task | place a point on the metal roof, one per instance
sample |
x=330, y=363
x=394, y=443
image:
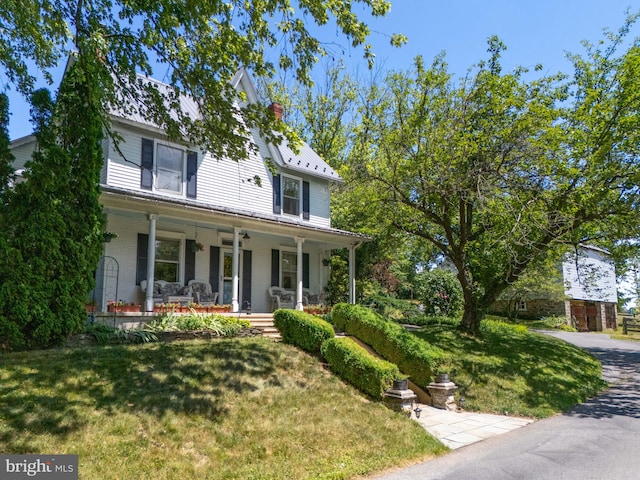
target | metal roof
x=305, y=161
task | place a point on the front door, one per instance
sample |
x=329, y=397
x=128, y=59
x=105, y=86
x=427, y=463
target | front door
x=226, y=276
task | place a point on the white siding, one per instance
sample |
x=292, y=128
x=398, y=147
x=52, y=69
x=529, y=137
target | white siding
x=223, y=183
x=22, y=154
x=590, y=276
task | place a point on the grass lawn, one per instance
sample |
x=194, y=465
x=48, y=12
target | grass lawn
x=508, y=369
x=227, y=409
x=618, y=335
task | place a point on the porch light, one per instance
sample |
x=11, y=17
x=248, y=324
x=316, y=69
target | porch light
x=246, y=236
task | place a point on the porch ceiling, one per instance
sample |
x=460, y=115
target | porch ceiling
x=224, y=219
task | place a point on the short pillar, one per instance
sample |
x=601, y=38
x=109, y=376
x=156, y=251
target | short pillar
x=400, y=398
x=442, y=393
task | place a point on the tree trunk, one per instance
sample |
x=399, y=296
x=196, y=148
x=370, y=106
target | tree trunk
x=471, y=318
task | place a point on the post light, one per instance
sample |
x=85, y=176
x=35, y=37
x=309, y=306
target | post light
x=461, y=402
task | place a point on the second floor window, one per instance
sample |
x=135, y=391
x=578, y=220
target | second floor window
x=168, y=169
x=290, y=196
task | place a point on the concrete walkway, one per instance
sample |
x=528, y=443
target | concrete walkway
x=458, y=429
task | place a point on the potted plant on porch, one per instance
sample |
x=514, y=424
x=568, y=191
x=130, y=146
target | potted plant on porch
x=122, y=307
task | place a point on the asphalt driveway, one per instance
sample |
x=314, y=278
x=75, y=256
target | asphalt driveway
x=599, y=439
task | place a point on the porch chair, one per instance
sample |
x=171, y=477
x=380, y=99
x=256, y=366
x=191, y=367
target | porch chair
x=309, y=298
x=281, y=298
x=165, y=292
x=202, y=293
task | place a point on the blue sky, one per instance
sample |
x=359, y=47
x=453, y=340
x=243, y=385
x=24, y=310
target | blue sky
x=534, y=32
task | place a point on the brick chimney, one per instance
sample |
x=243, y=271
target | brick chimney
x=277, y=110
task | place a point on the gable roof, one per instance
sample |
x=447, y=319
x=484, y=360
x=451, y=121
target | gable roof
x=306, y=161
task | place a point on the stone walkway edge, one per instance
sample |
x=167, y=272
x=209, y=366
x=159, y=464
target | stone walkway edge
x=458, y=429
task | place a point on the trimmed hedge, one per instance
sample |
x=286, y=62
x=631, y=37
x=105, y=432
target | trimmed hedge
x=391, y=341
x=302, y=329
x=354, y=364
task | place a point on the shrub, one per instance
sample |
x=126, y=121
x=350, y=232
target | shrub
x=396, y=309
x=302, y=329
x=440, y=292
x=413, y=356
x=354, y=364
x=223, y=326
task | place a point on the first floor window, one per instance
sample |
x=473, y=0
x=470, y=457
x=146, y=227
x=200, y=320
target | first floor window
x=289, y=270
x=167, y=265
x=169, y=169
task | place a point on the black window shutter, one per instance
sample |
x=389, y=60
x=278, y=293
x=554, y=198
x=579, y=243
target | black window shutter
x=146, y=164
x=192, y=174
x=275, y=268
x=214, y=271
x=189, y=261
x=141, y=262
x=305, y=200
x=305, y=270
x=277, y=199
x=246, y=278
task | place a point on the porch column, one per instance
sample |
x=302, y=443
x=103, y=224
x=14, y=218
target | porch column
x=299, y=273
x=151, y=261
x=235, y=305
x=352, y=272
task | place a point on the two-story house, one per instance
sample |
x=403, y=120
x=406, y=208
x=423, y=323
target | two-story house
x=181, y=214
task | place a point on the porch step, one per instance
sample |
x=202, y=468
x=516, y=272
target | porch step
x=264, y=321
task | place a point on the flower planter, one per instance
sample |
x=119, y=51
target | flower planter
x=218, y=309
x=123, y=308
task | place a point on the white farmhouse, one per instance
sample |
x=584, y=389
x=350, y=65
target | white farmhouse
x=182, y=215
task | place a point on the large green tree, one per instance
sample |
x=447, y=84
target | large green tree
x=52, y=224
x=325, y=116
x=498, y=168
x=195, y=46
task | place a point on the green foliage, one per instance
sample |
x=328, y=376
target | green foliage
x=337, y=289
x=508, y=369
x=104, y=334
x=52, y=223
x=398, y=310
x=391, y=341
x=6, y=157
x=222, y=325
x=497, y=168
x=301, y=329
x=200, y=47
x=358, y=367
x=502, y=328
x=440, y=292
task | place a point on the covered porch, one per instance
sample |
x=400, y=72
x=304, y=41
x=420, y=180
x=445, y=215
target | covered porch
x=241, y=255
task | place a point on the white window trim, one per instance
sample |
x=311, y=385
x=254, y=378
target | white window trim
x=183, y=184
x=300, y=192
x=181, y=237
x=295, y=254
